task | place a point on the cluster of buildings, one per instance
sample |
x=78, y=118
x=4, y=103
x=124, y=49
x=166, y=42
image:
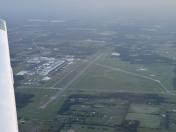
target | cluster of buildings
x=43, y=66
x=48, y=65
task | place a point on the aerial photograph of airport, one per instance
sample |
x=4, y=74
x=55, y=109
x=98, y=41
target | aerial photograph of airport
x=105, y=73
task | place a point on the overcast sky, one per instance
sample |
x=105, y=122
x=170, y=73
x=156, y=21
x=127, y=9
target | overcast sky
x=77, y=8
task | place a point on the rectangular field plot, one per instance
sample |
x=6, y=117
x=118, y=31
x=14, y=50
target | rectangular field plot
x=145, y=109
x=146, y=120
x=147, y=115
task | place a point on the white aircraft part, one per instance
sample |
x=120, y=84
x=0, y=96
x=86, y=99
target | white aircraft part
x=8, y=115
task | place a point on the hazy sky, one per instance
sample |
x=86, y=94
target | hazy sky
x=86, y=8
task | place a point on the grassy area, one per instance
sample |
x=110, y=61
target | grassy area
x=101, y=79
x=146, y=120
x=162, y=72
x=142, y=108
x=33, y=110
x=148, y=115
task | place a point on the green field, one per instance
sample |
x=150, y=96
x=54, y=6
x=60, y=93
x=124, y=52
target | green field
x=102, y=79
x=148, y=115
x=33, y=110
x=162, y=72
x=146, y=120
x=145, y=109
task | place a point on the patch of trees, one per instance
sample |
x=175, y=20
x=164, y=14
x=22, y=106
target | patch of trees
x=141, y=56
x=67, y=104
x=17, y=79
x=23, y=99
x=131, y=125
x=140, y=98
